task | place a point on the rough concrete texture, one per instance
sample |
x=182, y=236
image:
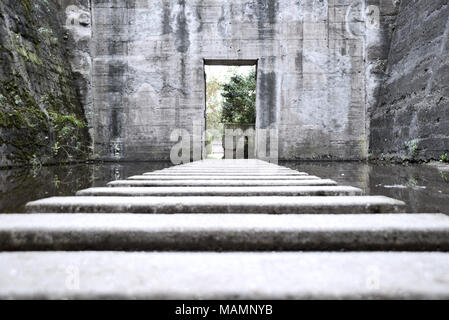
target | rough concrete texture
x=170, y=205
x=218, y=183
x=257, y=221
x=236, y=163
x=314, y=65
x=412, y=120
x=223, y=191
x=256, y=170
x=76, y=18
x=332, y=75
x=223, y=177
x=61, y=275
x=215, y=232
x=41, y=117
x=235, y=174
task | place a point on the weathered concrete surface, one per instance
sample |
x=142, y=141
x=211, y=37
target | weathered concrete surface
x=224, y=177
x=39, y=106
x=226, y=165
x=312, y=58
x=215, y=232
x=229, y=162
x=170, y=205
x=293, y=191
x=224, y=275
x=191, y=219
x=332, y=75
x=229, y=173
x=412, y=119
x=225, y=168
x=76, y=17
x=217, y=183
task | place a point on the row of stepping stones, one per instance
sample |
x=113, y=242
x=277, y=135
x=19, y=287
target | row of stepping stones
x=218, y=229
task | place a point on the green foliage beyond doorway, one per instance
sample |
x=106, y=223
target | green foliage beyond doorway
x=230, y=103
x=239, y=94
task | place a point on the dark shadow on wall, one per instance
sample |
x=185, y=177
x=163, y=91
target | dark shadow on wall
x=411, y=121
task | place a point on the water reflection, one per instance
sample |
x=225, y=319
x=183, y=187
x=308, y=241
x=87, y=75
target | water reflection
x=20, y=186
x=424, y=188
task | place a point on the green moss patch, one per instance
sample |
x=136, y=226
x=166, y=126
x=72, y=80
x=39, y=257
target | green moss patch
x=31, y=133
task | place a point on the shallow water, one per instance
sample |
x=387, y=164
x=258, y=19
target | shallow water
x=425, y=189
x=19, y=186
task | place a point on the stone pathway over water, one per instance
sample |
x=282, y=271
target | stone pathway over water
x=223, y=229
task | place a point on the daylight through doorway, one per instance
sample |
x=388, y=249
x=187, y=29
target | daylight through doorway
x=230, y=105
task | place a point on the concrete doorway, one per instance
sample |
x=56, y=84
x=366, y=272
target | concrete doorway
x=230, y=108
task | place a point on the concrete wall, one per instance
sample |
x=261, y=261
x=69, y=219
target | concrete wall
x=336, y=78
x=41, y=117
x=76, y=20
x=146, y=77
x=412, y=118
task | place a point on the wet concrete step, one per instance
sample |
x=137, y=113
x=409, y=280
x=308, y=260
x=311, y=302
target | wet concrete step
x=230, y=173
x=223, y=191
x=303, y=275
x=276, y=169
x=219, y=183
x=225, y=163
x=254, y=169
x=218, y=232
x=169, y=205
x=222, y=177
x=234, y=162
x=231, y=167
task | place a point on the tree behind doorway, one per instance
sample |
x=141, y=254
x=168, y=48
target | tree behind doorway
x=239, y=99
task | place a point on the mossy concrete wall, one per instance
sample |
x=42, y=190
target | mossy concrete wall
x=338, y=79
x=411, y=121
x=41, y=117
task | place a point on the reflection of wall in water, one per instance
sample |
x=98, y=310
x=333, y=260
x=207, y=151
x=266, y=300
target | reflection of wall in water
x=423, y=188
x=20, y=186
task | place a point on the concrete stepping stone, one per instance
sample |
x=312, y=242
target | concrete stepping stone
x=229, y=170
x=222, y=173
x=276, y=169
x=219, y=183
x=170, y=205
x=229, y=167
x=218, y=232
x=232, y=173
x=240, y=207
x=175, y=169
x=230, y=164
x=306, y=275
x=223, y=191
x=223, y=177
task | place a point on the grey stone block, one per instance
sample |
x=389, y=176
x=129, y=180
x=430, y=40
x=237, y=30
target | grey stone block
x=222, y=177
x=114, y=275
x=227, y=172
x=223, y=191
x=222, y=183
x=170, y=205
x=218, y=232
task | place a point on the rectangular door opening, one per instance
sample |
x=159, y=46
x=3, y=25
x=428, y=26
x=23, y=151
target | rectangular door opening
x=230, y=111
